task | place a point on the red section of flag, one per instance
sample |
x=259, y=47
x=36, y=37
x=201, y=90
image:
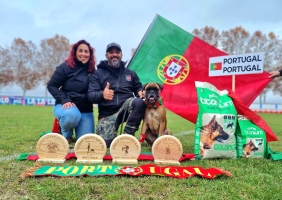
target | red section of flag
x=255, y=118
x=218, y=66
x=182, y=98
x=142, y=156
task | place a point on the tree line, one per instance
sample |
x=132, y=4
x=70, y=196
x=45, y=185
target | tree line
x=27, y=65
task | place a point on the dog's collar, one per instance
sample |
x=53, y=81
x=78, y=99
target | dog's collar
x=155, y=104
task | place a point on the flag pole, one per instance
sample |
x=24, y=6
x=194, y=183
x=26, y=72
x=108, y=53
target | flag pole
x=233, y=83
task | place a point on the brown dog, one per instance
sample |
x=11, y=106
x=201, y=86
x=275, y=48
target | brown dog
x=211, y=132
x=154, y=122
x=248, y=148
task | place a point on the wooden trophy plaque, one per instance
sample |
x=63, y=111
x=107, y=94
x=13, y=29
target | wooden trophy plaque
x=90, y=148
x=167, y=149
x=125, y=149
x=52, y=147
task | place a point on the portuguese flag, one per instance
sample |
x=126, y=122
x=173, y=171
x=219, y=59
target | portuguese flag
x=216, y=66
x=175, y=58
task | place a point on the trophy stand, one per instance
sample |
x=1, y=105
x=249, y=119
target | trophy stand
x=52, y=147
x=125, y=149
x=90, y=148
x=167, y=149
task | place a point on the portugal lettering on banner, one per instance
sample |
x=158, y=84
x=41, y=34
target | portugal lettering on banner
x=113, y=170
x=251, y=63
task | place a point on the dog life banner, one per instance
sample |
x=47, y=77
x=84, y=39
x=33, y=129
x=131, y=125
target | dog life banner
x=169, y=55
x=113, y=170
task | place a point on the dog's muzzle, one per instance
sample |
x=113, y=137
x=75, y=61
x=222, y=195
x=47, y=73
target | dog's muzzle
x=152, y=96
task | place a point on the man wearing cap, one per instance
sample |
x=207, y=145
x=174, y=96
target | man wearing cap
x=114, y=88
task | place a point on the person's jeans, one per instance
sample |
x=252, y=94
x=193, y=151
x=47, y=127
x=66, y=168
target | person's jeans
x=72, y=118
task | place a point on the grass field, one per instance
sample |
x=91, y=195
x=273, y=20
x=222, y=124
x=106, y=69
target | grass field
x=20, y=130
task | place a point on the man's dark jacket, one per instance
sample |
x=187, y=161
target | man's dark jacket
x=124, y=84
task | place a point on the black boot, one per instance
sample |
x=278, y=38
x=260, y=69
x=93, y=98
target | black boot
x=130, y=130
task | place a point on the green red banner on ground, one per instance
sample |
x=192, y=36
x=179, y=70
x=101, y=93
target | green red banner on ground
x=113, y=170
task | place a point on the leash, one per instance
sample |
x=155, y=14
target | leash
x=125, y=109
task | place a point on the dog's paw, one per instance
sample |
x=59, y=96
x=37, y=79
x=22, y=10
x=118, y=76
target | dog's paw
x=167, y=132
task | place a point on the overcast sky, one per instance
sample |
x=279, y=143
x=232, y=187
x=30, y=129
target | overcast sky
x=126, y=21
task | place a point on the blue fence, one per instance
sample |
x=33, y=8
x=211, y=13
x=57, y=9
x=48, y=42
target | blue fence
x=29, y=101
x=266, y=106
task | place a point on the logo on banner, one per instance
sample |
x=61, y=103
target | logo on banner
x=216, y=66
x=173, y=69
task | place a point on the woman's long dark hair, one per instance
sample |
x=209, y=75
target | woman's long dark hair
x=72, y=56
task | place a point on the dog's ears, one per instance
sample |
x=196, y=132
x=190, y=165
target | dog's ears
x=161, y=86
x=143, y=86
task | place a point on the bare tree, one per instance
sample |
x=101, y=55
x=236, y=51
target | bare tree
x=25, y=60
x=208, y=34
x=133, y=50
x=235, y=40
x=268, y=44
x=53, y=51
x=6, y=69
x=276, y=84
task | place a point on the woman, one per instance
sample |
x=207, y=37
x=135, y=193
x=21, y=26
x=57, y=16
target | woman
x=69, y=86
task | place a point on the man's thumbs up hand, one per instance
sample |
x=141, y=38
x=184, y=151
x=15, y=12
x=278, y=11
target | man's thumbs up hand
x=108, y=94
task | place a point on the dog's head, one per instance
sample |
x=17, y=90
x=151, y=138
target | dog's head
x=249, y=147
x=216, y=131
x=152, y=91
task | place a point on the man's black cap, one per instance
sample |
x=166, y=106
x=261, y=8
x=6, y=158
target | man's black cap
x=113, y=44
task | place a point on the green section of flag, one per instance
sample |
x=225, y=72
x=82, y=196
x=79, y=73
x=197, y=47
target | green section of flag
x=212, y=66
x=162, y=39
x=23, y=156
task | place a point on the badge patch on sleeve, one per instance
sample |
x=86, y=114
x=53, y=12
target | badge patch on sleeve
x=128, y=77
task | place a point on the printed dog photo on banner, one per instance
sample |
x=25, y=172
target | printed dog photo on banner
x=217, y=135
x=250, y=139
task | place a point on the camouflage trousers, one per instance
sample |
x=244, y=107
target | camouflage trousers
x=107, y=127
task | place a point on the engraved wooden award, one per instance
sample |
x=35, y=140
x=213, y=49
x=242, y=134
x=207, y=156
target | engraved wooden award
x=90, y=148
x=167, y=149
x=52, y=147
x=125, y=149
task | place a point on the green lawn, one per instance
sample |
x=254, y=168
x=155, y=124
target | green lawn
x=20, y=130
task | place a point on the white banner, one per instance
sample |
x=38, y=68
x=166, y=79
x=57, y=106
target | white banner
x=251, y=63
